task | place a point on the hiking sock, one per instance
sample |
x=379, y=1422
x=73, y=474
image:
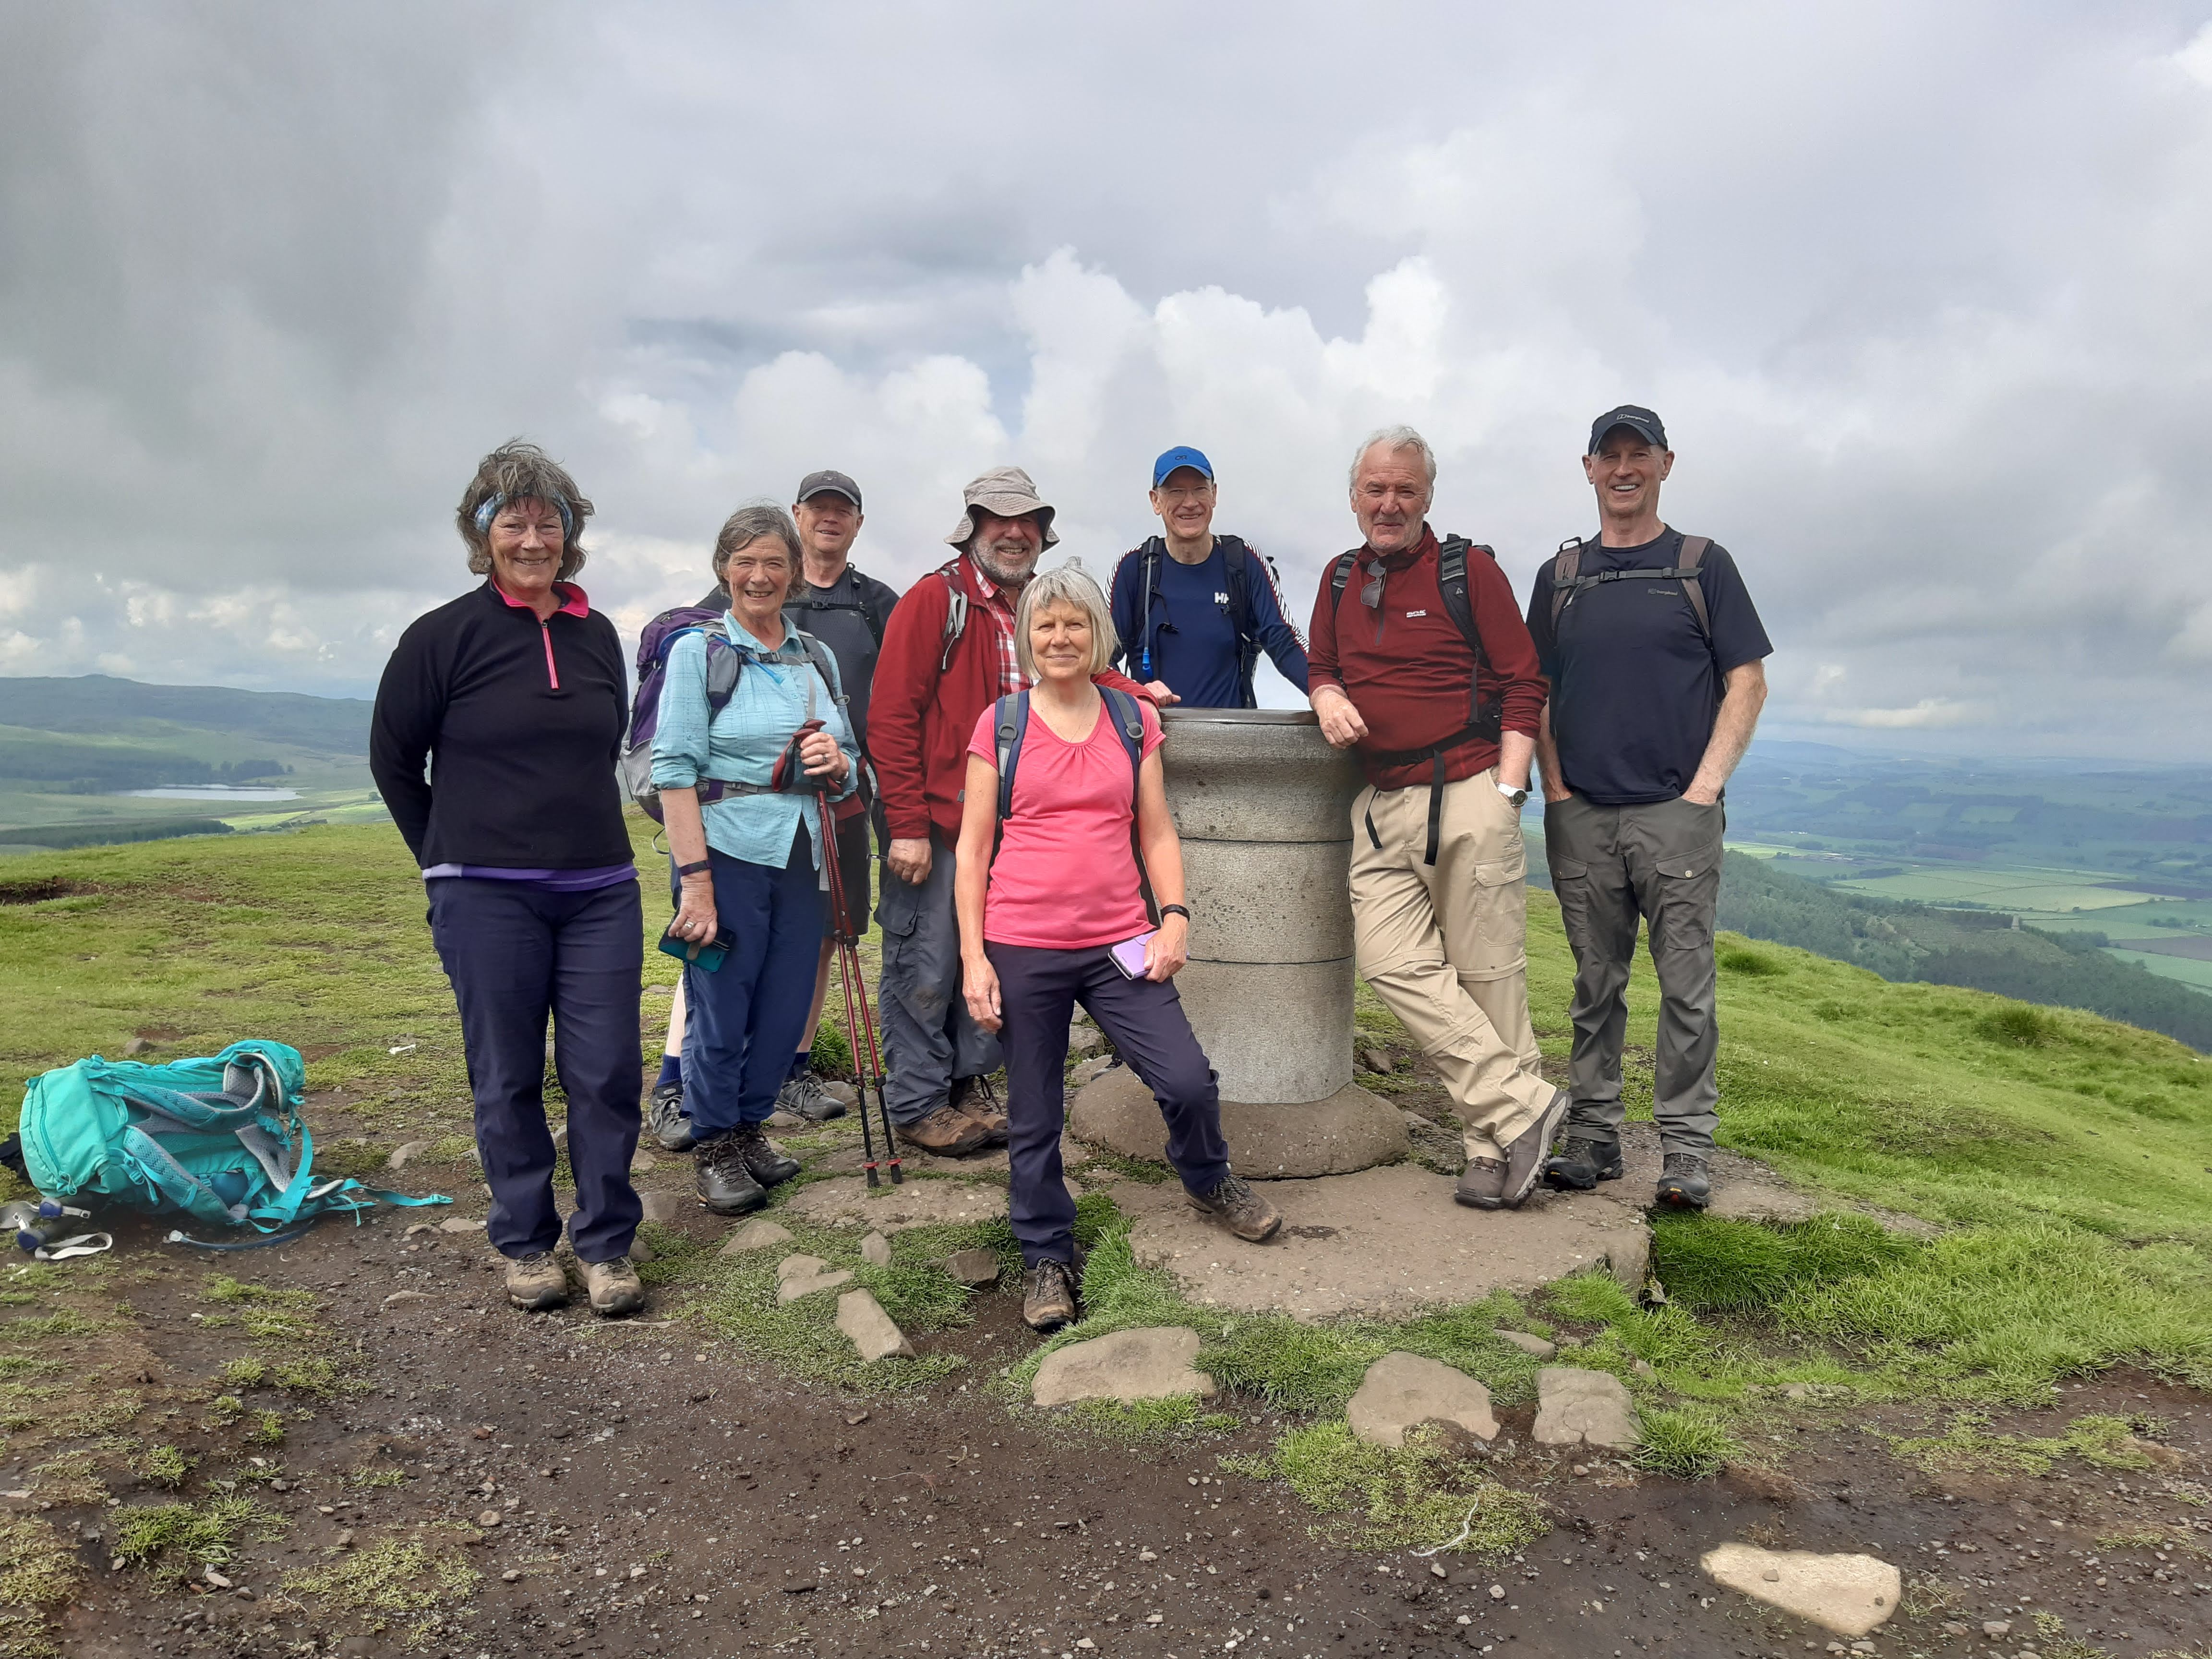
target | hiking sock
x=672, y=1071
x=799, y=1064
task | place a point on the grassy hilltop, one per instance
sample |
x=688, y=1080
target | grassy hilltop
x=2066, y=1161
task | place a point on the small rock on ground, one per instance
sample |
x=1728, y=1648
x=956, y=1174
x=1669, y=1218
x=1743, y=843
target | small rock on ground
x=459, y=1224
x=1575, y=1406
x=756, y=1235
x=1151, y=1363
x=1526, y=1343
x=1850, y=1594
x=803, y=1275
x=872, y=1331
x=1376, y=1060
x=644, y=1164
x=876, y=1251
x=403, y=1156
x=662, y=1206
x=1401, y=1389
x=782, y=1119
x=976, y=1267
x=843, y=1093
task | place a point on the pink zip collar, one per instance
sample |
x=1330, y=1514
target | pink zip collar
x=574, y=601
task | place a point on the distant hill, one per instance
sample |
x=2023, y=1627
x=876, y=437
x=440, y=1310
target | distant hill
x=103, y=705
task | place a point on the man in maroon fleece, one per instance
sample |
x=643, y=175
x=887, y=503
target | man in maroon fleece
x=1445, y=734
x=948, y=654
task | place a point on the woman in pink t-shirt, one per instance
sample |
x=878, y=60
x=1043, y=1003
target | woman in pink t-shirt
x=1041, y=925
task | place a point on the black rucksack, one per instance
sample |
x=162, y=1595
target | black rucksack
x=1235, y=558
x=1485, y=718
x=1568, y=581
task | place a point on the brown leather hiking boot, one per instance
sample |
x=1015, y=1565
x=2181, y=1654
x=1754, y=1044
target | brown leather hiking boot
x=1049, y=1296
x=1243, y=1211
x=946, y=1132
x=1490, y=1183
x=615, y=1287
x=535, y=1283
x=972, y=1097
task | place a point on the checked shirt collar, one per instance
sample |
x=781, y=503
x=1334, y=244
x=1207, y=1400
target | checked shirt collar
x=992, y=602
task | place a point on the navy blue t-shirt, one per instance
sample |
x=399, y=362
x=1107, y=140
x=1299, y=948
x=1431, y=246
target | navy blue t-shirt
x=1193, y=636
x=1635, y=686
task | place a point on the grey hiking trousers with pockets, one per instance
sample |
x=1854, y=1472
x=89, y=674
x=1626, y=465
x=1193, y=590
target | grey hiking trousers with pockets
x=1613, y=866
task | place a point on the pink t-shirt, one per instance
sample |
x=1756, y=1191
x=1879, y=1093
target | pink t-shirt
x=1066, y=877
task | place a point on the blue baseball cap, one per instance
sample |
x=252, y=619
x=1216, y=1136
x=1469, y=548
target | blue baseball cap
x=1181, y=455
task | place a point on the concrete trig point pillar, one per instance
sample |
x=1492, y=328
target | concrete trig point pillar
x=1263, y=804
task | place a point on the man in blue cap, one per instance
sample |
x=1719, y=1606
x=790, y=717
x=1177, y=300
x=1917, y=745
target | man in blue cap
x=1655, y=658
x=1194, y=610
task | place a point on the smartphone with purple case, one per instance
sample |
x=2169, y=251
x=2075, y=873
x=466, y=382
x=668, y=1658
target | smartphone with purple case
x=1129, y=956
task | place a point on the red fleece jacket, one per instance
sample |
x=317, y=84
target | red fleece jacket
x=919, y=720
x=1406, y=668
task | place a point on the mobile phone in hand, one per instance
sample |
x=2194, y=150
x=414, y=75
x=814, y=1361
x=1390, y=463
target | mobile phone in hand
x=707, y=954
x=1129, y=955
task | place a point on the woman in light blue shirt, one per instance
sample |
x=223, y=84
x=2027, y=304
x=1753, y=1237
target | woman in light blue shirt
x=749, y=867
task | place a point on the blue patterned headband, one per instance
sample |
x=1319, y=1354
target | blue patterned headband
x=492, y=504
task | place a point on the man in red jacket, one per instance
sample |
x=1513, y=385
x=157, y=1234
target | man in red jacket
x=1434, y=679
x=948, y=654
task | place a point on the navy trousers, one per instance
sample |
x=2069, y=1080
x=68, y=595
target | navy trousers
x=1038, y=990
x=743, y=1022
x=516, y=953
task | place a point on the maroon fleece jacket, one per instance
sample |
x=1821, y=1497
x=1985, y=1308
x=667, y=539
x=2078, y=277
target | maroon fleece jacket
x=1406, y=669
x=921, y=719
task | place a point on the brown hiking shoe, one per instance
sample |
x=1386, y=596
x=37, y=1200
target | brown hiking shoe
x=1049, y=1296
x=615, y=1286
x=946, y=1132
x=535, y=1283
x=1481, y=1184
x=972, y=1097
x=1233, y=1202
x=1493, y=1183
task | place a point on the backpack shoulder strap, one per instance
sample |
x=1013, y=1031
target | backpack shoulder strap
x=1451, y=577
x=955, y=613
x=723, y=669
x=1128, y=726
x=1567, y=571
x=1340, y=575
x=824, y=664
x=1694, y=549
x=873, y=611
x=1010, y=719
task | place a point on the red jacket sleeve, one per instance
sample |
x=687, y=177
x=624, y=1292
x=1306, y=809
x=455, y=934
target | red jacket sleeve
x=1518, y=679
x=1321, y=636
x=1113, y=676
x=898, y=699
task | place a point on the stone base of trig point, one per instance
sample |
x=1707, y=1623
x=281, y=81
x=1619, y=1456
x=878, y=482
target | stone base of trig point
x=1351, y=1130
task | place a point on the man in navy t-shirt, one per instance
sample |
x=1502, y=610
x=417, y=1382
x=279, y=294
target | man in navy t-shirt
x=1194, y=610
x=1655, y=657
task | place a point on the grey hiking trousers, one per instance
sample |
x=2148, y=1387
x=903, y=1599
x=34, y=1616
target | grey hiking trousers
x=929, y=1036
x=1611, y=866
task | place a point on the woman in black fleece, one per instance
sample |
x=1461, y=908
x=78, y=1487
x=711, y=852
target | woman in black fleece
x=515, y=694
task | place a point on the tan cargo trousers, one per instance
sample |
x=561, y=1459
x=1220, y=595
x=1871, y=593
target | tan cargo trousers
x=1446, y=947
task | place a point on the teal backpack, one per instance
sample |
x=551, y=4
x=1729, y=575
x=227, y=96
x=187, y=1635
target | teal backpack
x=221, y=1139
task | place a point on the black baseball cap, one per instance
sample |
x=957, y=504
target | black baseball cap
x=829, y=483
x=1642, y=421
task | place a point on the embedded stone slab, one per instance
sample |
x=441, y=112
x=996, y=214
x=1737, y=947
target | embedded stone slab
x=1850, y=1594
x=890, y=1209
x=1388, y=1244
x=1525, y=1342
x=1401, y=1389
x=974, y=1268
x=1151, y=1363
x=1351, y=1129
x=876, y=1251
x=803, y=1275
x=1576, y=1407
x=756, y=1235
x=871, y=1330
x=664, y=1207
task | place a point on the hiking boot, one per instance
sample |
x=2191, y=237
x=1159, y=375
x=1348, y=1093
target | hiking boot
x=946, y=1132
x=1049, y=1296
x=535, y=1283
x=762, y=1162
x=1685, y=1182
x=1505, y=1183
x=1233, y=1202
x=615, y=1286
x=1582, y=1162
x=721, y=1179
x=805, y=1097
x=972, y=1097
x=665, y=1117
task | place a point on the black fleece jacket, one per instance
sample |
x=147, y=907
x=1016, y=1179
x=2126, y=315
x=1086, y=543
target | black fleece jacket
x=522, y=723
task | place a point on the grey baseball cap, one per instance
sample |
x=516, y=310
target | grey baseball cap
x=828, y=482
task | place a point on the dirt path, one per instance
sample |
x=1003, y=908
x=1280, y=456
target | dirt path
x=653, y=1495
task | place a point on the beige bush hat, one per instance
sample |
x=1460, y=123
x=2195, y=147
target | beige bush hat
x=1007, y=492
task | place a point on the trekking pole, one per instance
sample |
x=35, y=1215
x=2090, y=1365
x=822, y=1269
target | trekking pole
x=860, y=1021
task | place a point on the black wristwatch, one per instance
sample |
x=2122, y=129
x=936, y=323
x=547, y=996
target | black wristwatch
x=695, y=869
x=1167, y=910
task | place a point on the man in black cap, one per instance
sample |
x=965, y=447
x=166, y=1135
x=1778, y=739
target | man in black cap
x=1655, y=656
x=847, y=610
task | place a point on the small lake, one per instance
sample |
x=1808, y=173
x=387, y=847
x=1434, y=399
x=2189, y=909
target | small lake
x=212, y=791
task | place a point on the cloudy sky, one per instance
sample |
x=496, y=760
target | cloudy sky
x=1920, y=291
